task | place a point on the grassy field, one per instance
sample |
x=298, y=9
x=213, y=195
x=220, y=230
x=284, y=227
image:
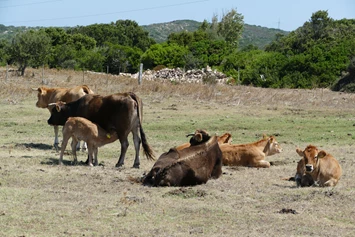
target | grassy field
x=40, y=198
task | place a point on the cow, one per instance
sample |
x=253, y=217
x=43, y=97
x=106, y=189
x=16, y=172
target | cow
x=193, y=165
x=251, y=154
x=320, y=165
x=81, y=129
x=51, y=95
x=225, y=138
x=121, y=111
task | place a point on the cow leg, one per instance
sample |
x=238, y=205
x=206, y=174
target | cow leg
x=74, y=143
x=124, y=146
x=95, y=156
x=91, y=152
x=137, y=143
x=84, y=146
x=56, y=142
x=261, y=164
x=64, y=145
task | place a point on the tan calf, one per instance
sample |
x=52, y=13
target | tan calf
x=322, y=166
x=81, y=129
x=252, y=154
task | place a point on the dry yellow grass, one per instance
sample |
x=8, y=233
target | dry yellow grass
x=40, y=198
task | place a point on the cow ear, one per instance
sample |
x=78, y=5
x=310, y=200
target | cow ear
x=299, y=152
x=322, y=154
x=198, y=137
x=58, y=107
x=264, y=136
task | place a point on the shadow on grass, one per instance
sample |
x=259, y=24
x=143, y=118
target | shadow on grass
x=55, y=161
x=39, y=146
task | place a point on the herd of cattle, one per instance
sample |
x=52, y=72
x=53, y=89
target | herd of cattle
x=99, y=120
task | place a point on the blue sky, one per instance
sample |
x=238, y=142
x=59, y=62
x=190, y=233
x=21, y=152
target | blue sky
x=283, y=14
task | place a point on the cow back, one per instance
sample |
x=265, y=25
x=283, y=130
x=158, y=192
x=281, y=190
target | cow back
x=190, y=166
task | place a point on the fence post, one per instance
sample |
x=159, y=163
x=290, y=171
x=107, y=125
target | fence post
x=43, y=74
x=140, y=74
x=7, y=71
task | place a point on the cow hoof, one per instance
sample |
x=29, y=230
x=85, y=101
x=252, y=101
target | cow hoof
x=119, y=165
x=136, y=166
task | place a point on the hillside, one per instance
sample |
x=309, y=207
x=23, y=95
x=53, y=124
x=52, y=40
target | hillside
x=256, y=35
x=252, y=34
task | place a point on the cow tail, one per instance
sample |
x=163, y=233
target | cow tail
x=148, y=152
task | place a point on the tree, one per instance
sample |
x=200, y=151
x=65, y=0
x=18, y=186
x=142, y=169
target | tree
x=4, y=47
x=231, y=27
x=30, y=48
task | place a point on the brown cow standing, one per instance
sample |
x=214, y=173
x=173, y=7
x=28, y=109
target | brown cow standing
x=47, y=96
x=322, y=166
x=81, y=129
x=190, y=166
x=121, y=111
x=251, y=154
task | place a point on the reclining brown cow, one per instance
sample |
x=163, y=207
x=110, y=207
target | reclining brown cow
x=190, y=166
x=321, y=166
x=251, y=154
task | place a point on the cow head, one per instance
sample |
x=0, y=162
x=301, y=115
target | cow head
x=58, y=113
x=272, y=146
x=41, y=96
x=200, y=136
x=311, y=156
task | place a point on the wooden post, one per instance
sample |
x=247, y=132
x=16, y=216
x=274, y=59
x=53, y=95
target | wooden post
x=43, y=74
x=140, y=74
x=107, y=70
x=7, y=71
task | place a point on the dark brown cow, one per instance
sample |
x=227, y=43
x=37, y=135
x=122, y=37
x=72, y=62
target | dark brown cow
x=251, y=154
x=320, y=165
x=47, y=96
x=122, y=111
x=190, y=166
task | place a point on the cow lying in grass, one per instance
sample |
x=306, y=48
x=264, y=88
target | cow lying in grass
x=317, y=167
x=81, y=129
x=251, y=154
x=193, y=165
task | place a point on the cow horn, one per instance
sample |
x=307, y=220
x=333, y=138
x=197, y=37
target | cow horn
x=190, y=134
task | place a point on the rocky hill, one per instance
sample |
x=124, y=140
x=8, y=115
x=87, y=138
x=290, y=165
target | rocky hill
x=256, y=35
x=252, y=34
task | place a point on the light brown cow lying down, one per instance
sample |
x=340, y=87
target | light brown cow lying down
x=251, y=154
x=81, y=129
x=320, y=165
x=225, y=138
x=47, y=96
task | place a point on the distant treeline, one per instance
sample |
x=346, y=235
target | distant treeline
x=317, y=54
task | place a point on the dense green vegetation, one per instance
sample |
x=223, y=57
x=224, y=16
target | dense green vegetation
x=317, y=54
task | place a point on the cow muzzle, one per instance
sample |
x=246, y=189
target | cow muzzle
x=309, y=168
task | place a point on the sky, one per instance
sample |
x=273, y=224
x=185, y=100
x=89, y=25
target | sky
x=280, y=14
